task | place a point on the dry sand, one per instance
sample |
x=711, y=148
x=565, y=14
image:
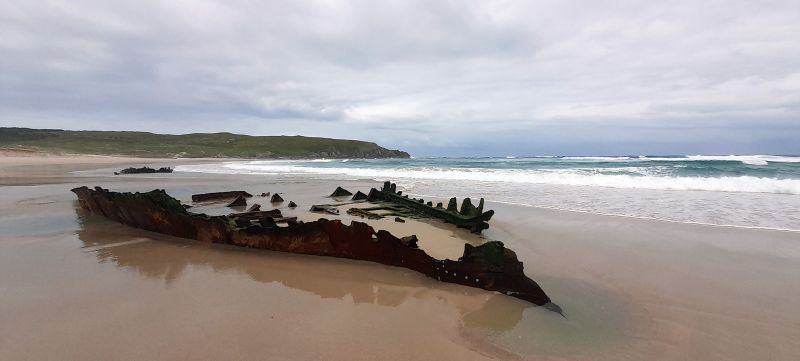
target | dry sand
x=76, y=286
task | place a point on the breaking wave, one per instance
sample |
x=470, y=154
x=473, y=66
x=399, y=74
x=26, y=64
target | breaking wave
x=744, y=159
x=641, y=178
x=750, y=191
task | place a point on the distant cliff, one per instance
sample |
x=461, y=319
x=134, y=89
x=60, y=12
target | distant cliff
x=198, y=145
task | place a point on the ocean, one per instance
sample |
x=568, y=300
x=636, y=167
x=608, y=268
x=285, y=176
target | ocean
x=758, y=191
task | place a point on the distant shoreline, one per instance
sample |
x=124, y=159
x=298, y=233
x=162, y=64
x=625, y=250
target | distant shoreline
x=6, y=152
x=194, y=145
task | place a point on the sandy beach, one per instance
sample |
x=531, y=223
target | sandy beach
x=74, y=286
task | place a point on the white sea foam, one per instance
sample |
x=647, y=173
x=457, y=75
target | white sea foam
x=749, y=159
x=570, y=177
x=598, y=158
x=637, y=189
x=745, y=159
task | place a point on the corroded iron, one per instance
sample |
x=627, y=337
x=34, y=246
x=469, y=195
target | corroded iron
x=363, y=213
x=359, y=196
x=490, y=266
x=469, y=216
x=340, y=192
x=217, y=196
x=238, y=202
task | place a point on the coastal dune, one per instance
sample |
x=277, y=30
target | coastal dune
x=77, y=286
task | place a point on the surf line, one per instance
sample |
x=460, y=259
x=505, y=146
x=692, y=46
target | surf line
x=776, y=229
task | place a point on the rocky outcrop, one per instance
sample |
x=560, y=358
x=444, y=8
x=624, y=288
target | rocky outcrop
x=490, y=266
x=276, y=198
x=144, y=170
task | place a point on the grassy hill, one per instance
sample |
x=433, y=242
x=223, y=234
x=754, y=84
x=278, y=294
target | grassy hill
x=215, y=145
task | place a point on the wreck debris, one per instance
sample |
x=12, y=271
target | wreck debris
x=340, y=192
x=470, y=217
x=363, y=213
x=254, y=208
x=276, y=198
x=265, y=194
x=263, y=218
x=141, y=170
x=274, y=213
x=216, y=196
x=359, y=196
x=410, y=241
x=256, y=215
x=370, y=212
x=399, y=220
x=292, y=204
x=325, y=209
x=268, y=222
x=238, y=202
x=489, y=266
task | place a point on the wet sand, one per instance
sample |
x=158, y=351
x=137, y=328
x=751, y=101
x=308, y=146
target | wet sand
x=76, y=286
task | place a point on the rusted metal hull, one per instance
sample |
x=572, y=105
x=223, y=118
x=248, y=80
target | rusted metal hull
x=490, y=266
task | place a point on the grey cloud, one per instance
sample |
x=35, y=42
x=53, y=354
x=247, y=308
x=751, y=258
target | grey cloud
x=432, y=77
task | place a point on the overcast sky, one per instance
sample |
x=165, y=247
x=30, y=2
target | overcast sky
x=435, y=78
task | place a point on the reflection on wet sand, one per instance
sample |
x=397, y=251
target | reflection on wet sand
x=167, y=258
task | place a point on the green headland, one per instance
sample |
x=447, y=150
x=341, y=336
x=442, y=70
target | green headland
x=196, y=145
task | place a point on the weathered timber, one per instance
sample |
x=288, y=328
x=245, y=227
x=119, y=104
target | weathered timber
x=269, y=222
x=410, y=241
x=363, y=213
x=238, y=202
x=470, y=217
x=274, y=213
x=359, y=196
x=276, y=198
x=144, y=170
x=218, y=196
x=340, y=192
x=264, y=218
x=490, y=266
x=324, y=209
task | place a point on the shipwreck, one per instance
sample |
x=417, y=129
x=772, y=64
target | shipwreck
x=490, y=266
x=469, y=216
